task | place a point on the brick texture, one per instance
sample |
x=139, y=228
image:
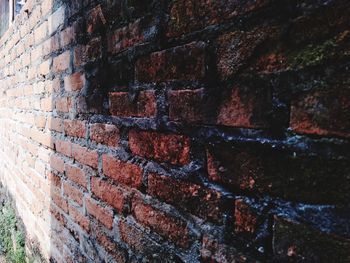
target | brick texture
x=178, y=130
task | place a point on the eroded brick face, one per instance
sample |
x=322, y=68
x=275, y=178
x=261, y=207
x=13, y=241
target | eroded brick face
x=171, y=148
x=179, y=130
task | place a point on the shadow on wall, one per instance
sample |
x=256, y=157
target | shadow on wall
x=178, y=131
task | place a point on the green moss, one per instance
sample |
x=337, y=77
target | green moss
x=312, y=55
x=12, y=239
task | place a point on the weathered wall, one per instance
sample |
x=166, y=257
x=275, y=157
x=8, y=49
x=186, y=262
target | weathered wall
x=179, y=131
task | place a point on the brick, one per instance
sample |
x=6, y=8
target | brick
x=57, y=215
x=54, y=180
x=183, y=63
x=245, y=218
x=140, y=242
x=236, y=48
x=245, y=107
x=59, y=201
x=67, y=36
x=61, y=62
x=187, y=105
x=102, y=214
x=85, y=156
x=57, y=163
x=40, y=121
x=73, y=193
x=293, y=241
x=123, y=172
x=121, y=105
x=88, y=53
x=44, y=68
x=74, y=82
x=105, y=134
x=56, y=20
x=109, y=193
x=279, y=172
x=166, y=225
x=75, y=128
x=46, y=104
x=95, y=19
x=40, y=33
x=118, y=253
x=187, y=196
x=55, y=124
x=79, y=218
x=63, y=104
x=215, y=251
x=171, y=148
x=76, y=175
x=322, y=112
x=141, y=31
x=189, y=16
x=64, y=147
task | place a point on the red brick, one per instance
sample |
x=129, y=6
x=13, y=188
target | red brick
x=104, y=133
x=245, y=218
x=191, y=15
x=56, y=124
x=85, y=156
x=46, y=104
x=112, y=247
x=42, y=138
x=40, y=121
x=123, y=172
x=185, y=63
x=57, y=215
x=245, y=107
x=73, y=193
x=171, y=148
x=40, y=33
x=59, y=201
x=130, y=35
x=103, y=215
x=234, y=167
x=170, y=227
x=56, y=20
x=322, y=112
x=64, y=147
x=61, y=62
x=76, y=175
x=196, y=199
x=214, y=251
x=138, y=240
x=63, y=104
x=57, y=163
x=95, y=19
x=88, y=53
x=293, y=241
x=279, y=172
x=109, y=193
x=54, y=180
x=236, y=48
x=44, y=68
x=120, y=104
x=75, y=128
x=74, y=82
x=79, y=218
x=67, y=36
x=187, y=105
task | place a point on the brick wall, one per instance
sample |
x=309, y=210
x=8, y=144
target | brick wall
x=179, y=131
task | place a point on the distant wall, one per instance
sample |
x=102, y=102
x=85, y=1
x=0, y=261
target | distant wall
x=179, y=131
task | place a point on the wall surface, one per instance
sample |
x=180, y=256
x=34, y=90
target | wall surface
x=179, y=131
